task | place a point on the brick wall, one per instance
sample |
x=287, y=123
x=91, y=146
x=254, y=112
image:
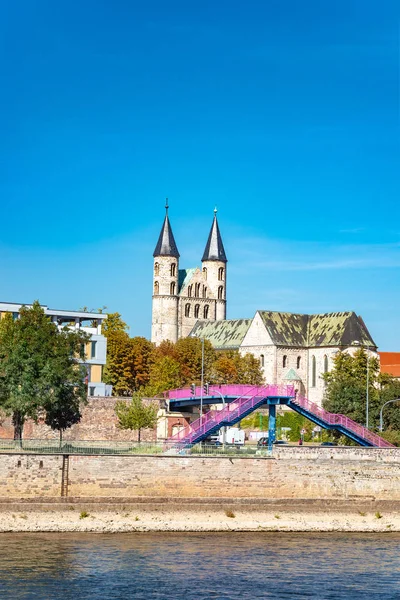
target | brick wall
x=326, y=474
x=98, y=422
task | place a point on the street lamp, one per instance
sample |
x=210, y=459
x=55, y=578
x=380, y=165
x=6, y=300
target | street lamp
x=383, y=406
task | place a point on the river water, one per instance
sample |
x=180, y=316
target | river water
x=199, y=566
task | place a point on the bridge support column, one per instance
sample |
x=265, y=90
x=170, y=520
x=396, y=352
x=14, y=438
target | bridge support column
x=271, y=425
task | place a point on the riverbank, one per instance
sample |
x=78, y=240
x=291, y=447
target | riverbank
x=212, y=516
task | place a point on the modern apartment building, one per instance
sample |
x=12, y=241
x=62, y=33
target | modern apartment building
x=96, y=347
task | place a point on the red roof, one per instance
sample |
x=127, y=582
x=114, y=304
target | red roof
x=390, y=363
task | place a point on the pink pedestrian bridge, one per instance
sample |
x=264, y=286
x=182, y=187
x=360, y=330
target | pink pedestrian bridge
x=240, y=400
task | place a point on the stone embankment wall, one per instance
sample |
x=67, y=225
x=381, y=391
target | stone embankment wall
x=98, y=422
x=341, y=474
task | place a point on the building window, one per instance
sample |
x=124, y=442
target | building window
x=204, y=291
x=206, y=311
x=326, y=367
x=187, y=310
x=221, y=274
x=172, y=288
x=313, y=372
x=298, y=364
x=156, y=269
x=156, y=288
x=197, y=290
x=220, y=292
x=205, y=273
x=173, y=269
x=262, y=360
x=284, y=361
x=190, y=291
x=93, y=349
x=196, y=311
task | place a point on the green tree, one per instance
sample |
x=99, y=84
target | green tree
x=164, y=375
x=36, y=362
x=346, y=387
x=136, y=415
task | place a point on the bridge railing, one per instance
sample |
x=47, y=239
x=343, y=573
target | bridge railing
x=346, y=422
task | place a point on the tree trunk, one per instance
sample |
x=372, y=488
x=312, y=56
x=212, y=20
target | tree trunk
x=60, y=437
x=18, y=422
x=138, y=435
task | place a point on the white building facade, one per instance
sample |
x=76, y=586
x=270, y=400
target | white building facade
x=95, y=349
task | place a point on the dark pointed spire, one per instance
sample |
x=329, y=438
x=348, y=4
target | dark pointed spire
x=166, y=245
x=214, y=247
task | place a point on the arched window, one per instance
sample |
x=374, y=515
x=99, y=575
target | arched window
x=156, y=269
x=173, y=269
x=284, y=361
x=313, y=372
x=172, y=288
x=187, y=310
x=220, y=292
x=196, y=311
x=205, y=273
x=262, y=360
x=221, y=274
x=190, y=291
x=206, y=311
x=197, y=290
x=298, y=363
x=156, y=288
x=204, y=291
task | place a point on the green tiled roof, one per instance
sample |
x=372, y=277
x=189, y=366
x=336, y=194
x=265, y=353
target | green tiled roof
x=223, y=335
x=331, y=329
x=184, y=276
x=291, y=375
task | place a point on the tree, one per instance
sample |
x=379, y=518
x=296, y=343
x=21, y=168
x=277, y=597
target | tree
x=36, y=362
x=65, y=376
x=136, y=415
x=232, y=367
x=189, y=353
x=164, y=375
x=346, y=387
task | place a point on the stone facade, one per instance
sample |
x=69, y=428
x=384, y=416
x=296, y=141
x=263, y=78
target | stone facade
x=343, y=474
x=181, y=297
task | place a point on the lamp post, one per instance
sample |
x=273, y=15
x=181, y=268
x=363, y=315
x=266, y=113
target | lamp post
x=380, y=416
x=202, y=381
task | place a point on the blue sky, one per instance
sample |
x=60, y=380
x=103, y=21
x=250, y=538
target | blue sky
x=284, y=114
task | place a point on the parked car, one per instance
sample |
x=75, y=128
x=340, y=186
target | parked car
x=328, y=444
x=264, y=442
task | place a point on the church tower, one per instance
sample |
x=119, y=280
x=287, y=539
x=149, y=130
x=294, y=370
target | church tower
x=214, y=269
x=165, y=286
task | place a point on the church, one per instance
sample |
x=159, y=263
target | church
x=293, y=349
